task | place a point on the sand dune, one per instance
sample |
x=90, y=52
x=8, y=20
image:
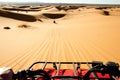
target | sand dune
x=81, y=34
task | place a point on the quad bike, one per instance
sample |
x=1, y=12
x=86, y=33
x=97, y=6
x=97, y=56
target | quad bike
x=97, y=71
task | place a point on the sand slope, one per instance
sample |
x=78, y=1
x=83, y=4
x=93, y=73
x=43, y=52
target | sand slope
x=82, y=34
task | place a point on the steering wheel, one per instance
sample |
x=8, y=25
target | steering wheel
x=102, y=69
x=37, y=74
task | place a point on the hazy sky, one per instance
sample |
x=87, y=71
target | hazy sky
x=69, y=1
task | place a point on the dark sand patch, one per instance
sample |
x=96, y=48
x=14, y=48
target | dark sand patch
x=24, y=26
x=7, y=27
x=106, y=13
x=101, y=8
x=66, y=7
x=17, y=16
x=54, y=15
x=24, y=6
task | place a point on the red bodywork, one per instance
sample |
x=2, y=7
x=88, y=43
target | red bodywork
x=70, y=73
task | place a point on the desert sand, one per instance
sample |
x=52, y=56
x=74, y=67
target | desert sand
x=58, y=33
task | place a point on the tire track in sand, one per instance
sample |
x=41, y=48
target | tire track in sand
x=108, y=56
